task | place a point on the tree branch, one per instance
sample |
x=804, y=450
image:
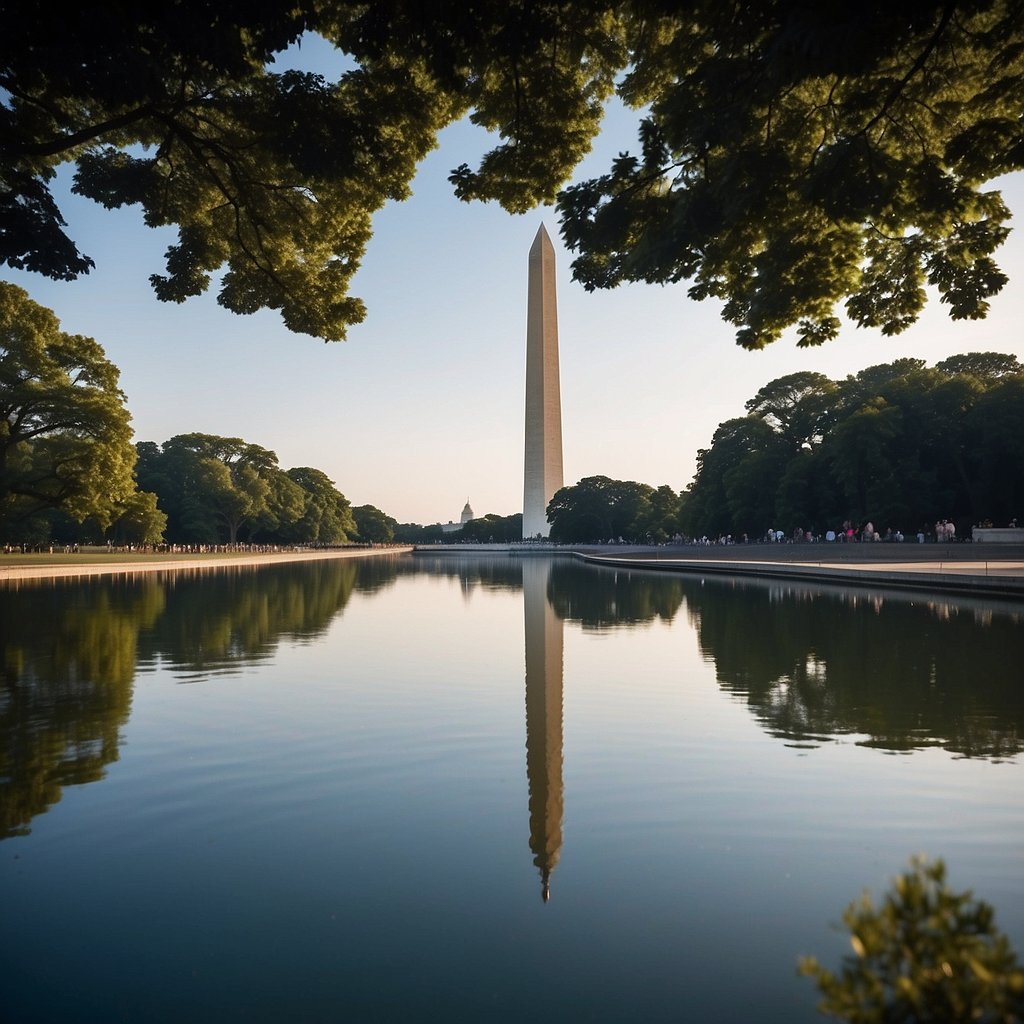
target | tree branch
x=919, y=62
x=62, y=143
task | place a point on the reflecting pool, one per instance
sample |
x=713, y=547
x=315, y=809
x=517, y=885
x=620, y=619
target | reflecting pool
x=438, y=788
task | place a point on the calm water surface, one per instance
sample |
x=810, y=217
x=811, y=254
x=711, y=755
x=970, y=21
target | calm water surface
x=428, y=789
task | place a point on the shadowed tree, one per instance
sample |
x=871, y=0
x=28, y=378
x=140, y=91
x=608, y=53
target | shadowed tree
x=994, y=431
x=862, y=453
x=600, y=509
x=284, y=509
x=791, y=157
x=733, y=491
x=659, y=520
x=493, y=528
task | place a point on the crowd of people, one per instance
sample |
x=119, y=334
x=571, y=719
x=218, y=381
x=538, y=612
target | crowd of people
x=942, y=532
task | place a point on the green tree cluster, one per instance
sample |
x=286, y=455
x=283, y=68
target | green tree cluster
x=900, y=445
x=222, y=490
x=374, y=526
x=65, y=432
x=492, y=528
x=417, y=533
x=601, y=509
x=791, y=157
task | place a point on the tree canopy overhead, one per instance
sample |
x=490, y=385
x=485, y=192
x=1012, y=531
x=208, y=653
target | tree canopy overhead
x=792, y=156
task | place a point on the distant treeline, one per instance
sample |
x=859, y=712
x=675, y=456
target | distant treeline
x=900, y=445
x=206, y=489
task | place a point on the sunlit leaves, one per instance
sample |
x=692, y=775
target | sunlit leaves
x=813, y=159
x=327, y=515
x=925, y=953
x=792, y=159
x=65, y=440
x=216, y=489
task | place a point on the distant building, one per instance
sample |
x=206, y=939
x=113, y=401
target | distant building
x=467, y=514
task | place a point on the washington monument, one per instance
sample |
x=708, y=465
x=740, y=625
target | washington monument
x=543, y=472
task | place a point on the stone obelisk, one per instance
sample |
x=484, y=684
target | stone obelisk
x=543, y=472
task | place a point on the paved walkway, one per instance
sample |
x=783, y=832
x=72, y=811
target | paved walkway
x=988, y=569
x=66, y=567
x=996, y=569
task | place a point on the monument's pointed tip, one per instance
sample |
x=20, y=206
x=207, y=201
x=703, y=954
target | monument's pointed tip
x=542, y=238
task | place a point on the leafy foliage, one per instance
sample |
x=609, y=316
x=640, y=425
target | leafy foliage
x=492, y=528
x=65, y=433
x=327, y=515
x=926, y=954
x=220, y=489
x=373, y=526
x=601, y=509
x=898, y=444
x=790, y=158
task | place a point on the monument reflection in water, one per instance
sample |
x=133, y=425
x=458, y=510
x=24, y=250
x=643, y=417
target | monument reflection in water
x=544, y=644
x=299, y=793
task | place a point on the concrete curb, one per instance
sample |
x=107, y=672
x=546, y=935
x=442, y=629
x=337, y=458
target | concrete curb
x=965, y=580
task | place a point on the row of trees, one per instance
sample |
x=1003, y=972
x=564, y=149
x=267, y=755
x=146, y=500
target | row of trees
x=69, y=471
x=899, y=444
x=487, y=529
x=216, y=489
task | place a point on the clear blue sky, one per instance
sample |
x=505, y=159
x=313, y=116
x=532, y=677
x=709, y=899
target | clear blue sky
x=422, y=407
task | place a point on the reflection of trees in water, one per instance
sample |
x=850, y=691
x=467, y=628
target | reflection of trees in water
x=606, y=598
x=907, y=673
x=377, y=573
x=68, y=664
x=69, y=654
x=220, y=621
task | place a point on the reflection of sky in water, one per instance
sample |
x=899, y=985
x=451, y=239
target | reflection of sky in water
x=343, y=828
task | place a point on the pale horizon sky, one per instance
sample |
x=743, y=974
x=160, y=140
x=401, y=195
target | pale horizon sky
x=422, y=407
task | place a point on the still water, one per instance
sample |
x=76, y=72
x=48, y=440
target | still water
x=439, y=789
